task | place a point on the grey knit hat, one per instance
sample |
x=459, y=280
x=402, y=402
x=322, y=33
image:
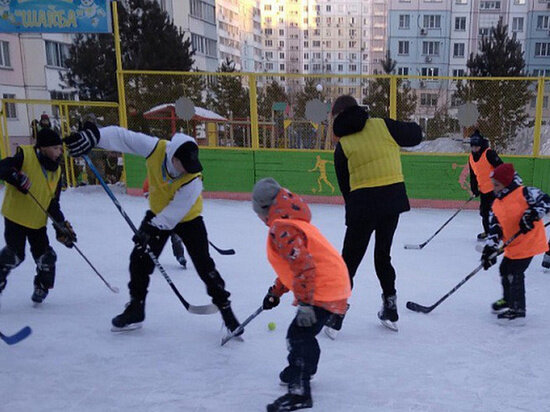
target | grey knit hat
x=264, y=194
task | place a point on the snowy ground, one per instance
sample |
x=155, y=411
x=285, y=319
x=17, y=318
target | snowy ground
x=455, y=359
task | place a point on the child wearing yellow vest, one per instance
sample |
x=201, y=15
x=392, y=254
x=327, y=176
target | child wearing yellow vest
x=306, y=263
x=516, y=209
x=34, y=183
x=175, y=206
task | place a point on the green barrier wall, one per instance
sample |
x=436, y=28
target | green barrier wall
x=435, y=177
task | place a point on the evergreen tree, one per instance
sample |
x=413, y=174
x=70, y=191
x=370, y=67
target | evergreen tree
x=227, y=96
x=378, y=94
x=149, y=41
x=273, y=92
x=501, y=104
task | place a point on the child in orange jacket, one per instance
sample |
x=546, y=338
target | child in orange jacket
x=516, y=209
x=307, y=264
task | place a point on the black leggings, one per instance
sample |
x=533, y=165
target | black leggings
x=13, y=253
x=355, y=245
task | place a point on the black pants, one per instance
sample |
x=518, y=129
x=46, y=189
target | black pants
x=512, y=277
x=304, y=350
x=13, y=253
x=194, y=237
x=485, y=203
x=355, y=245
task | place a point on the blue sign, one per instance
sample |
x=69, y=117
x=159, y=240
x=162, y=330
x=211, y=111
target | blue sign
x=55, y=16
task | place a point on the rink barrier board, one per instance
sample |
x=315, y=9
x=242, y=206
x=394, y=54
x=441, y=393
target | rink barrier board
x=432, y=180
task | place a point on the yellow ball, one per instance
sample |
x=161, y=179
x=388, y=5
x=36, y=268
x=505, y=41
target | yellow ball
x=271, y=325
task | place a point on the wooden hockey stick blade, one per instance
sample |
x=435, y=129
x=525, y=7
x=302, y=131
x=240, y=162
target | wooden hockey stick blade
x=417, y=247
x=415, y=307
x=202, y=309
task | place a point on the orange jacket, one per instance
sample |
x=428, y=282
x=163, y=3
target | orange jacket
x=482, y=169
x=509, y=211
x=304, y=260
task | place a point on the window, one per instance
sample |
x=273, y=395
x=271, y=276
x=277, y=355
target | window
x=542, y=49
x=404, y=21
x=281, y=55
x=281, y=43
x=403, y=71
x=458, y=72
x=403, y=47
x=11, y=111
x=281, y=32
x=430, y=48
x=281, y=66
x=5, y=54
x=352, y=67
x=267, y=7
x=306, y=56
x=432, y=21
x=519, y=1
x=203, y=11
x=483, y=31
x=328, y=8
x=461, y=1
x=56, y=53
x=269, y=43
x=541, y=73
x=428, y=99
x=316, y=43
x=458, y=50
x=329, y=67
x=489, y=5
x=430, y=71
x=204, y=45
x=460, y=23
x=306, y=67
x=517, y=24
x=542, y=22
x=340, y=67
x=269, y=55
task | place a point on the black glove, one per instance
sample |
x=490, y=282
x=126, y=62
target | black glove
x=527, y=222
x=64, y=233
x=20, y=180
x=147, y=232
x=486, y=256
x=82, y=142
x=270, y=300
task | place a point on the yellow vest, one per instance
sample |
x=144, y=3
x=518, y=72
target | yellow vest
x=22, y=209
x=373, y=156
x=162, y=187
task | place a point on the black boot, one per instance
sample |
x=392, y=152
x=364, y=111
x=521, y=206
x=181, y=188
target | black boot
x=229, y=318
x=39, y=294
x=131, y=318
x=286, y=375
x=388, y=314
x=290, y=402
x=546, y=260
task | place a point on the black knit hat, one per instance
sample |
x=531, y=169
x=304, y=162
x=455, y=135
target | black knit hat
x=47, y=137
x=188, y=155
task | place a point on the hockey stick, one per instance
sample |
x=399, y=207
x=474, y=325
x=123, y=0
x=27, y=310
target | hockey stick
x=198, y=310
x=58, y=225
x=415, y=307
x=242, y=325
x=421, y=245
x=17, y=337
x=222, y=251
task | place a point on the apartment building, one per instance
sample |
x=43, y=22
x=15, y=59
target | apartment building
x=30, y=68
x=324, y=37
x=436, y=38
